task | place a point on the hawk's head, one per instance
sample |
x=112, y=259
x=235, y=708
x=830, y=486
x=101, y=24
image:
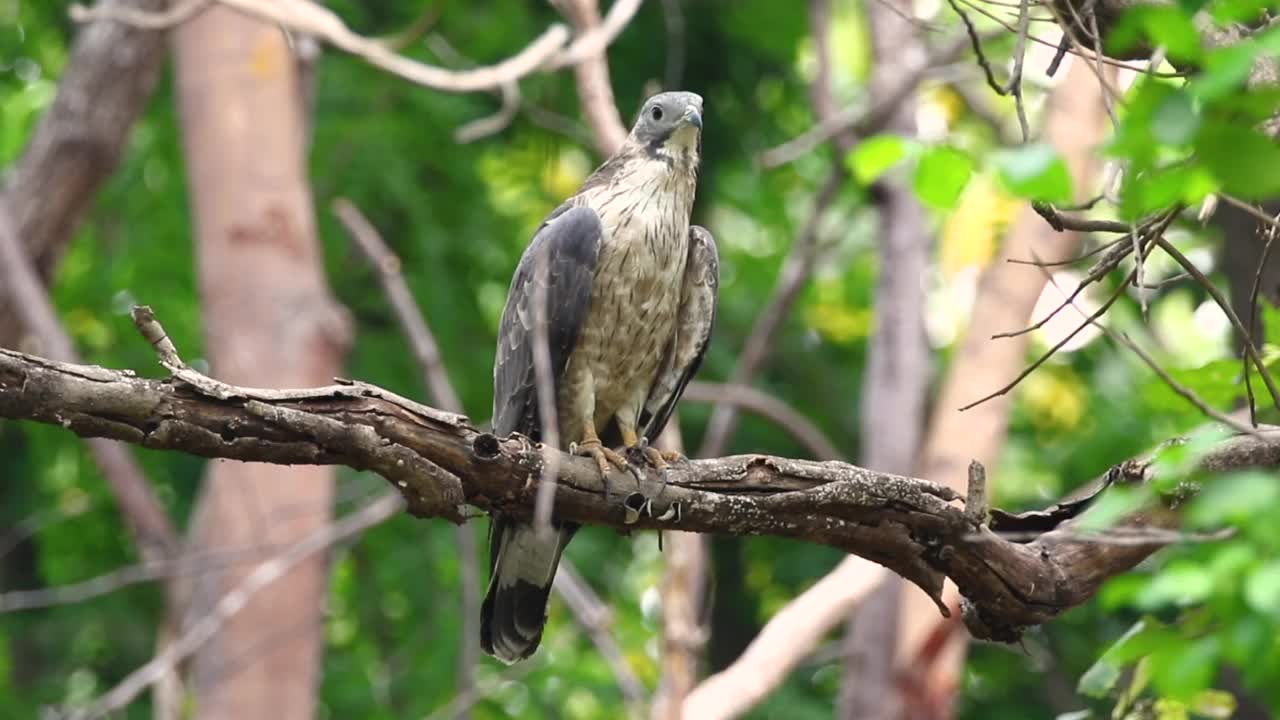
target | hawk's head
x=670, y=126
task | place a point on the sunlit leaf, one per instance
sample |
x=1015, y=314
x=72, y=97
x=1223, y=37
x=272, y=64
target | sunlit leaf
x=1233, y=498
x=875, y=155
x=1217, y=704
x=1100, y=678
x=1243, y=160
x=1112, y=506
x=1262, y=589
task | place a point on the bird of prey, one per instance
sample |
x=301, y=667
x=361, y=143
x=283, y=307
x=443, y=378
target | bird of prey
x=628, y=292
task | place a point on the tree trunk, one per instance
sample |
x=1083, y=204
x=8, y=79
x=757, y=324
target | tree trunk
x=897, y=376
x=269, y=321
x=1074, y=124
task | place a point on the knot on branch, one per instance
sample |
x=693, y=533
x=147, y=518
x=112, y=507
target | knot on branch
x=486, y=447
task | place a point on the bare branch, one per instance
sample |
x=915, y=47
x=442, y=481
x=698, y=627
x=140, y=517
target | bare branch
x=437, y=459
x=427, y=352
x=421, y=340
x=595, y=91
x=1269, y=232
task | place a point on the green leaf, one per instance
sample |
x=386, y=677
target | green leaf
x=875, y=155
x=1244, y=161
x=1218, y=383
x=1175, y=119
x=1183, y=670
x=1166, y=709
x=1164, y=25
x=1114, y=504
x=1034, y=171
x=1224, y=71
x=1262, y=589
x=941, y=175
x=1182, y=584
x=1226, y=11
x=1100, y=678
x=1144, y=193
x=1231, y=499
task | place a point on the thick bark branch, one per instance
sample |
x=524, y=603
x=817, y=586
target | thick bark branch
x=439, y=461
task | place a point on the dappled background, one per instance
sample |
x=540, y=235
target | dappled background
x=459, y=214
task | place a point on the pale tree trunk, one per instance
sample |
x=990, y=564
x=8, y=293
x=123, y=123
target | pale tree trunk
x=897, y=375
x=1007, y=293
x=269, y=321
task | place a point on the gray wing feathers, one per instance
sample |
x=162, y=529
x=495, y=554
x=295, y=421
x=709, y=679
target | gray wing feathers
x=560, y=262
x=694, y=322
x=567, y=246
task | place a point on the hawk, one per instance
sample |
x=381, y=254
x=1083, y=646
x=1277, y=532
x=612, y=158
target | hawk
x=630, y=297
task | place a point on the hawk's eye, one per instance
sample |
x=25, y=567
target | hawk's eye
x=656, y=112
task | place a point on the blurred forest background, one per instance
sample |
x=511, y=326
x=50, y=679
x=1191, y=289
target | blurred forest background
x=856, y=264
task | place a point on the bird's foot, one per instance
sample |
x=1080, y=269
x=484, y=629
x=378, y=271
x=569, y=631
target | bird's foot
x=659, y=460
x=603, y=456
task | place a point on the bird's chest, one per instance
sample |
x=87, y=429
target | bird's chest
x=634, y=297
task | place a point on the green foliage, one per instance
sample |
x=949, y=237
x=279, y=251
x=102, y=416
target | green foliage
x=1034, y=171
x=941, y=175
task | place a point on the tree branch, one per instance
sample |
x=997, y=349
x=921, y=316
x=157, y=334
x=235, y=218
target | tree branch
x=546, y=53
x=438, y=461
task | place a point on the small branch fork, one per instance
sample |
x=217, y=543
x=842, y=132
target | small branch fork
x=439, y=462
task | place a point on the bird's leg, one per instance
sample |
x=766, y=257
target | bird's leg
x=604, y=457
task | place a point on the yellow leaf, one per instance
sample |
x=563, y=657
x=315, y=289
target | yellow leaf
x=971, y=234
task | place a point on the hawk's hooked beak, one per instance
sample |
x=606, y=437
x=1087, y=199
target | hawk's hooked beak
x=693, y=117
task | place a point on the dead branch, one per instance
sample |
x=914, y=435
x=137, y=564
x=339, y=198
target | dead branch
x=438, y=461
